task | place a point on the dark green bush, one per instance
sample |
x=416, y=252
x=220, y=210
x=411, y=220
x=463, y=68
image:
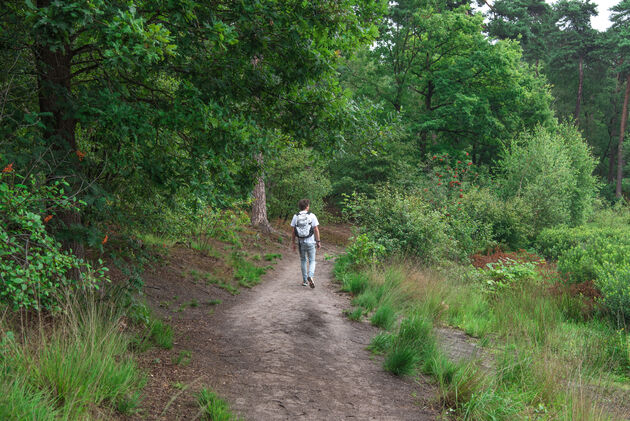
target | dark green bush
x=554, y=242
x=594, y=253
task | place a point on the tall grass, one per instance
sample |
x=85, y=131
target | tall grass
x=545, y=363
x=69, y=369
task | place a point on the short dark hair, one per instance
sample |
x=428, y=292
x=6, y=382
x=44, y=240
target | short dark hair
x=303, y=204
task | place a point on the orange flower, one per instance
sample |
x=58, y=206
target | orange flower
x=104, y=239
x=8, y=168
x=48, y=218
x=81, y=155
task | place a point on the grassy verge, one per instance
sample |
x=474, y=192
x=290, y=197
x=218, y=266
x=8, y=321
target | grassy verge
x=76, y=369
x=545, y=364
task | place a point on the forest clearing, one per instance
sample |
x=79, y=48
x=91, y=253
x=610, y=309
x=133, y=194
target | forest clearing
x=171, y=170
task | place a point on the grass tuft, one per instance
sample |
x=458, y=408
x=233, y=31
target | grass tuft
x=214, y=408
x=402, y=360
x=381, y=343
x=384, y=317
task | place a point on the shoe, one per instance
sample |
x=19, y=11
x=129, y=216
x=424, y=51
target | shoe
x=304, y=283
x=310, y=282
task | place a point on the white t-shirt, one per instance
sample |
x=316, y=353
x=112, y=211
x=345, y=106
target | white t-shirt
x=314, y=223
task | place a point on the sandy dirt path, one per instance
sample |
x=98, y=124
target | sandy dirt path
x=282, y=351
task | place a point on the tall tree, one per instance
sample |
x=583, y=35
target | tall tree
x=528, y=21
x=574, y=40
x=621, y=42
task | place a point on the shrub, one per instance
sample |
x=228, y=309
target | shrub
x=613, y=281
x=34, y=270
x=363, y=173
x=403, y=223
x=554, y=242
x=503, y=221
x=364, y=251
x=528, y=165
x=504, y=273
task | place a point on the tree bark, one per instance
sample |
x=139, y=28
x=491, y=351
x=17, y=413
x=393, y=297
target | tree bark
x=622, y=131
x=259, y=208
x=576, y=114
x=54, y=78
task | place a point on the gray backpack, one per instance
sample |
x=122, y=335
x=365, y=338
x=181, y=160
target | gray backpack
x=303, y=226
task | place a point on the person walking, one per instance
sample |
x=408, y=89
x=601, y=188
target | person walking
x=306, y=238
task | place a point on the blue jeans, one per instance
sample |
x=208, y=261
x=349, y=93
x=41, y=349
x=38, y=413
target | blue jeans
x=307, y=250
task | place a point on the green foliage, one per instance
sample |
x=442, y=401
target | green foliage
x=36, y=273
x=451, y=85
x=506, y=220
x=381, y=343
x=505, y=273
x=613, y=281
x=213, y=408
x=528, y=165
x=219, y=224
x=595, y=252
x=401, y=360
x=19, y=402
x=554, y=242
x=355, y=314
x=296, y=174
x=362, y=172
x=270, y=257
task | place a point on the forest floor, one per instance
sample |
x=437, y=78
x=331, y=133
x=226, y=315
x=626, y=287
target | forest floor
x=273, y=352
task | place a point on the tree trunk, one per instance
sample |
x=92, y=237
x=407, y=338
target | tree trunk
x=622, y=131
x=576, y=114
x=54, y=77
x=611, y=165
x=259, y=208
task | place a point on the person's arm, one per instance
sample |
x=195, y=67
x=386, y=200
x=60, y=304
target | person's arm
x=293, y=240
x=317, y=240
